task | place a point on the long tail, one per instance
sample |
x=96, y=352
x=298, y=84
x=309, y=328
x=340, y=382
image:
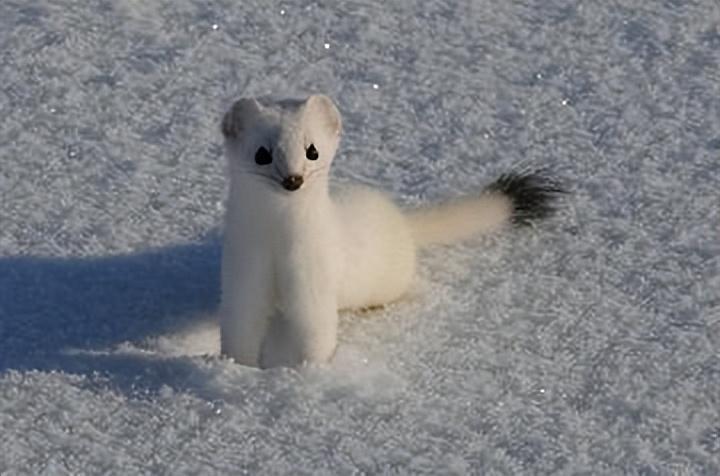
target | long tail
x=513, y=199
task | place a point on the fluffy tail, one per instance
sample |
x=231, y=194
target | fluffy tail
x=514, y=198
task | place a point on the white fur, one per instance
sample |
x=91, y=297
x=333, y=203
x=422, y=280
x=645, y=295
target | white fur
x=291, y=259
x=460, y=219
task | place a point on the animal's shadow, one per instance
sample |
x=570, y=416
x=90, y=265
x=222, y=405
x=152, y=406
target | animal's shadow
x=55, y=311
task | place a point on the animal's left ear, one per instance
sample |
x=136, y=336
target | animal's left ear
x=324, y=109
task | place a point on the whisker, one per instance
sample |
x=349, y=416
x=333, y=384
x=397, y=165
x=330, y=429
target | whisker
x=258, y=175
x=318, y=172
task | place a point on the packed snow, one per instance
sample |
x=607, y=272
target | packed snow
x=586, y=344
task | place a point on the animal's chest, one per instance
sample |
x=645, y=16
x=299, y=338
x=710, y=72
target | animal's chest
x=304, y=244
x=302, y=247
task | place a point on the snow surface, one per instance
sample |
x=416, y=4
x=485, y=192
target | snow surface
x=586, y=345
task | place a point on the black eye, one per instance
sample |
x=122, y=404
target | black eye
x=263, y=156
x=311, y=153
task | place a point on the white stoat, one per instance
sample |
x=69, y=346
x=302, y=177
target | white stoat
x=293, y=255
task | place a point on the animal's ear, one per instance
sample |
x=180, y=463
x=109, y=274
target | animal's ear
x=238, y=117
x=323, y=108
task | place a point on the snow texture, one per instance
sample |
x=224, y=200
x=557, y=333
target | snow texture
x=587, y=344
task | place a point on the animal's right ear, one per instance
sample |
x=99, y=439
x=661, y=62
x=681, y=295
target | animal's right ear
x=325, y=109
x=238, y=117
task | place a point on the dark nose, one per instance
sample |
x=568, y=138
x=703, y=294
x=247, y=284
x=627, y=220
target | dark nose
x=292, y=182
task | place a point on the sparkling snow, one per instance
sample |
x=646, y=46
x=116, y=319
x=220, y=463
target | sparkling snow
x=588, y=344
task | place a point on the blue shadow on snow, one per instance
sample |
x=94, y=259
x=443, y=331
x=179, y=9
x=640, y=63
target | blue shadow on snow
x=50, y=305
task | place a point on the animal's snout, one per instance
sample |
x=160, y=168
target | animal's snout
x=293, y=182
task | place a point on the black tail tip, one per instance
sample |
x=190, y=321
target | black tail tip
x=533, y=195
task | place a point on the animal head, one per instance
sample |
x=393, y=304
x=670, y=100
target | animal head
x=288, y=144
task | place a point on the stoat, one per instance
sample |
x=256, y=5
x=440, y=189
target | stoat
x=293, y=254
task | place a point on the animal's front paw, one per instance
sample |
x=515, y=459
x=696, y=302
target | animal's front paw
x=241, y=355
x=276, y=356
x=285, y=357
x=284, y=348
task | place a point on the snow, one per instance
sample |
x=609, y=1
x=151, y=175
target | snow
x=588, y=344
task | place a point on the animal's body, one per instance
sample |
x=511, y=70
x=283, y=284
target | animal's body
x=293, y=255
